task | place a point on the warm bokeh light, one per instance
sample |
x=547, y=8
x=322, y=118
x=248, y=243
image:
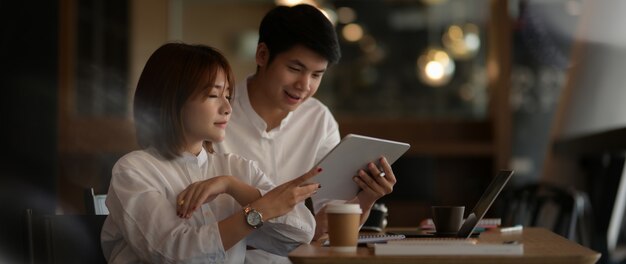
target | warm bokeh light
x=435, y=67
x=434, y=70
x=463, y=42
x=352, y=32
x=346, y=15
x=441, y=56
x=455, y=33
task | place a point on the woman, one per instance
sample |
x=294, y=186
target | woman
x=178, y=201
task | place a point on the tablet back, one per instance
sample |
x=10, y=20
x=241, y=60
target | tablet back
x=354, y=152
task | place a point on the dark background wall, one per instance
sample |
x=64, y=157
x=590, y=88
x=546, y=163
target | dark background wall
x=28, y=117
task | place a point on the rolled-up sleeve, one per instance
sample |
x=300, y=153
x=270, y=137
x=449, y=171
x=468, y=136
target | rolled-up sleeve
x=282, y=234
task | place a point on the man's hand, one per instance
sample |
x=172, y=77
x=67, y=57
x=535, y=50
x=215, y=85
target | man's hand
x=374, y=184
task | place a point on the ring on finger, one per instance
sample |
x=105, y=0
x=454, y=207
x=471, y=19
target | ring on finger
x=181, y=202
x=382, y=172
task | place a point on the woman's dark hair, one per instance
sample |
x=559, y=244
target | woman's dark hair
x=174, y=74
x=284, y=27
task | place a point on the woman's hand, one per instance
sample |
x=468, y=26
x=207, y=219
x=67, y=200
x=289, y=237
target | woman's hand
x=285, y=197
x=199, y=193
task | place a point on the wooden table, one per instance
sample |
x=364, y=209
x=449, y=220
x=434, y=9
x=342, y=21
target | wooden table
x=540, y=246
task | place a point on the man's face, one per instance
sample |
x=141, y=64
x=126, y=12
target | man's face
x=291, y=77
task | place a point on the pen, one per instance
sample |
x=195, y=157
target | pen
x=511, y=228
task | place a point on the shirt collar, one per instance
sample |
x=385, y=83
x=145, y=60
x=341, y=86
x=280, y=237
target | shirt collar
x=253, y=116
x=201, y=159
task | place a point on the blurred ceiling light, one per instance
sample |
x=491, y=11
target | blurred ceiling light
x=434, y=67
x=463, y=42
x=346, y=15
x=294, y=2
x=434, y=70
x=352, y=32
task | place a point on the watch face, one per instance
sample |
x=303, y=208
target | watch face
x=254, y=218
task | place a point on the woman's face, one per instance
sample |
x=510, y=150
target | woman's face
x=206, y=115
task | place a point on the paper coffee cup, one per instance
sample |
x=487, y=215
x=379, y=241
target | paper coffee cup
x=343, y=226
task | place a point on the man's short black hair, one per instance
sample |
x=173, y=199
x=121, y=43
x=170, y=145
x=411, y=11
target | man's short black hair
x=284, y=27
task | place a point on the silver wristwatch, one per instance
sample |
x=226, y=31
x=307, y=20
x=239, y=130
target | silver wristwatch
x=253, y=217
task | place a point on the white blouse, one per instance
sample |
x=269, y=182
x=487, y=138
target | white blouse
x=143, y=226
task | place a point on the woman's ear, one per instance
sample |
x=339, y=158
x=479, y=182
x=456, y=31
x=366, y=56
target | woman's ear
x=262, y=55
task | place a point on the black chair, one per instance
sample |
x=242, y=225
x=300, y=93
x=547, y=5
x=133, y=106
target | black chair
x=64, y=238
x=566, y=212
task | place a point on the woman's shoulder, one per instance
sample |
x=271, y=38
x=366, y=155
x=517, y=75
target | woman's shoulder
x=138, y=158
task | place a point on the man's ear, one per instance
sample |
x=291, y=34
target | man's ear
x=262, y=55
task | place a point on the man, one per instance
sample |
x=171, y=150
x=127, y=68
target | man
x=278, y=123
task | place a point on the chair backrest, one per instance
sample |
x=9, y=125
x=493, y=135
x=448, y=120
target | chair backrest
x=566, y=212
x=95, y=203
x=64, y=238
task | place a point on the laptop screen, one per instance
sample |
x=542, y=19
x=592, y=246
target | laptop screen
x=481, y=208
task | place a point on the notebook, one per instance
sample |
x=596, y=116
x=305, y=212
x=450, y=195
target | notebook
x=374, y=238
x=441, y=246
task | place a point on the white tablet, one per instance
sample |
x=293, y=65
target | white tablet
x=353, y=153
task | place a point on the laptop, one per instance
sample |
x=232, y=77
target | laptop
x=479, y=211
x=483, y=205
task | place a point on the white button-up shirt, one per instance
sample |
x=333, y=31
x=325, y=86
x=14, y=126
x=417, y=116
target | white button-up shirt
x=288, y=151
x=143, y=226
